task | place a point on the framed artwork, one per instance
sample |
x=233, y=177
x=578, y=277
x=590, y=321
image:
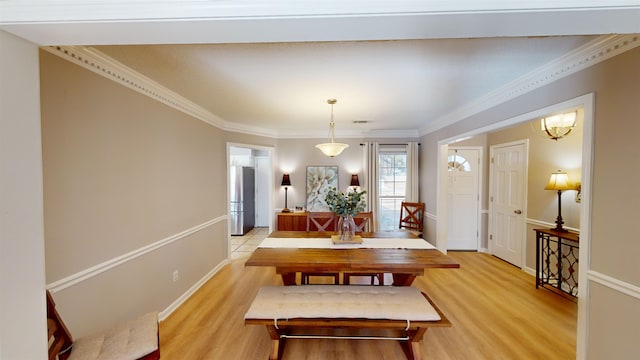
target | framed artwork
x=319, y=180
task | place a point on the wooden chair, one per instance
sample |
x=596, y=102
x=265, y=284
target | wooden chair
x=411, y=217
x=364, y=223
x=137, y=339
x=322, y=221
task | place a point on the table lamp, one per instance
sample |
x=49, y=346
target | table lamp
x=354, y=181
x=559, y=181
x=286, y=181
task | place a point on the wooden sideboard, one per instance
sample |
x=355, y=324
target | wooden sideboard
x=292, y=221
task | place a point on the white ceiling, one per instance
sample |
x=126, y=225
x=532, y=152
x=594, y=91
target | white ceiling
x=401, y=66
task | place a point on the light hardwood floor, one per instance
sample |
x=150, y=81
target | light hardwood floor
x=495, y=310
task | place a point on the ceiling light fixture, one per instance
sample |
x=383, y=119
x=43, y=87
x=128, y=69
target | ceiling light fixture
x=332, y=148
x=559, y=125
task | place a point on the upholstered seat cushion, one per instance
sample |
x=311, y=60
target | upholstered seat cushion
x=130, y=340
x=342, y=301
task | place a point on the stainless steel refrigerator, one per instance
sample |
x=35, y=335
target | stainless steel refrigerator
x=242, y=211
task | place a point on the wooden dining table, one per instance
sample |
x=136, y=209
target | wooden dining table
x=403, y=263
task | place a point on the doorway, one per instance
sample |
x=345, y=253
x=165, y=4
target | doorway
x=249, y=199
x=507, y=201
x=463, y=197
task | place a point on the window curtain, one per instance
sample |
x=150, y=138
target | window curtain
x=370, y=157
x=413, y=190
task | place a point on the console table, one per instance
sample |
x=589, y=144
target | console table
x=292, y=221
x=557, y=260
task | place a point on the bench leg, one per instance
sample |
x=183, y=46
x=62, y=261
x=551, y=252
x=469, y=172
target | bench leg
x=412, y=347
x=277, y=344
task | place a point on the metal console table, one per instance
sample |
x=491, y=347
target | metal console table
x=557, y=260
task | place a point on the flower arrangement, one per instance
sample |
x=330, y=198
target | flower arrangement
x=344, y=204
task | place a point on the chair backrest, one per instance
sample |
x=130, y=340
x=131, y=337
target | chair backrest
x=411, y=216
x=364, y=221
x=60, y=340
x=321, y=221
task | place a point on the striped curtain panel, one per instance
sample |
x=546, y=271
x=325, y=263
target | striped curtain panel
x=413, y=161
x=370, y=161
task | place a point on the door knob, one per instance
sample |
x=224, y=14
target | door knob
x=517, y=212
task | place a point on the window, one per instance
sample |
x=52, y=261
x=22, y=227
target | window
x=458, y=163
x=392, y=185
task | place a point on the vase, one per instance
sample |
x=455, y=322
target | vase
x=346, y=228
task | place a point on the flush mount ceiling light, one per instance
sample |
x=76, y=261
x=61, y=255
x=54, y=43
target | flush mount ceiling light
x=332, y=148
x=559, y=125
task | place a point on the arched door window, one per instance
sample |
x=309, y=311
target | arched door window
x=458, y=163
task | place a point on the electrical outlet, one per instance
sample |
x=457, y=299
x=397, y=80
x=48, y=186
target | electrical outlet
x=176, y=275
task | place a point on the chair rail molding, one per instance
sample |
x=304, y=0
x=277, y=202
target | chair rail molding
x=96, y=270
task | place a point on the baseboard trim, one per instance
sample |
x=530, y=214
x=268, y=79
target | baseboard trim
x=96, y=270
x=192, y=290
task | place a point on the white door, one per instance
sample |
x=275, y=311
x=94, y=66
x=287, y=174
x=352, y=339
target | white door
x=463, y=200
x=507, y=201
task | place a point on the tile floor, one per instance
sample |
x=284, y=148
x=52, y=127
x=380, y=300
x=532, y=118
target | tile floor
x=243, y=246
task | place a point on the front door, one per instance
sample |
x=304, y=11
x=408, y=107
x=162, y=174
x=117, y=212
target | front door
x=507, y=199
x=463, y=200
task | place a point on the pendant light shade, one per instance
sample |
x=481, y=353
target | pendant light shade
x=332, y=148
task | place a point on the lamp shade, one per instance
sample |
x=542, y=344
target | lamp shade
x=354, y=180
x=332, y=149
x=559, y=181
x=286, y=181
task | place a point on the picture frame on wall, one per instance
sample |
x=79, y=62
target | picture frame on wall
x=320, y=179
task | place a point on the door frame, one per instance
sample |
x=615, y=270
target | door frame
x=587, y=102
x=270, y=151
x=480, y=184
x=525, y=187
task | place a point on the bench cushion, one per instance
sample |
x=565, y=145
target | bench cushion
x=341, y=301
x=131, y=340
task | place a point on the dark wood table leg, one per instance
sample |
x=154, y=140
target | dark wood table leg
x=403, y=279
x=288, y=278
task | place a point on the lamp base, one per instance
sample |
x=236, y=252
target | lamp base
x=557, y=229
x=286, y=210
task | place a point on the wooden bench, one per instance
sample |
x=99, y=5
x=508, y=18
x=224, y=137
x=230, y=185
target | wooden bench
x=285, y=309
x=136, y=339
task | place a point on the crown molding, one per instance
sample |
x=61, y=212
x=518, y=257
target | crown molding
x=101, y=64
x=588, y=55
x=592, y=53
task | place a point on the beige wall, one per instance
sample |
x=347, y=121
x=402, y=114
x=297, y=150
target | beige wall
x=22, y=297
x=294, y=155
x=123, y=173
x=614, y=246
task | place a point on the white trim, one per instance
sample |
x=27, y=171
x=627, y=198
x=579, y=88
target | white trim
x=592, y=53
x=596, y=51
x=431, y=216
x=192, y=290
x=614, y=284
x=584, y=254
x=96, y=270
x=546, y=224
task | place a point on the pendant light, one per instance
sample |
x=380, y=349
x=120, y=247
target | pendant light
x=332, y=148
